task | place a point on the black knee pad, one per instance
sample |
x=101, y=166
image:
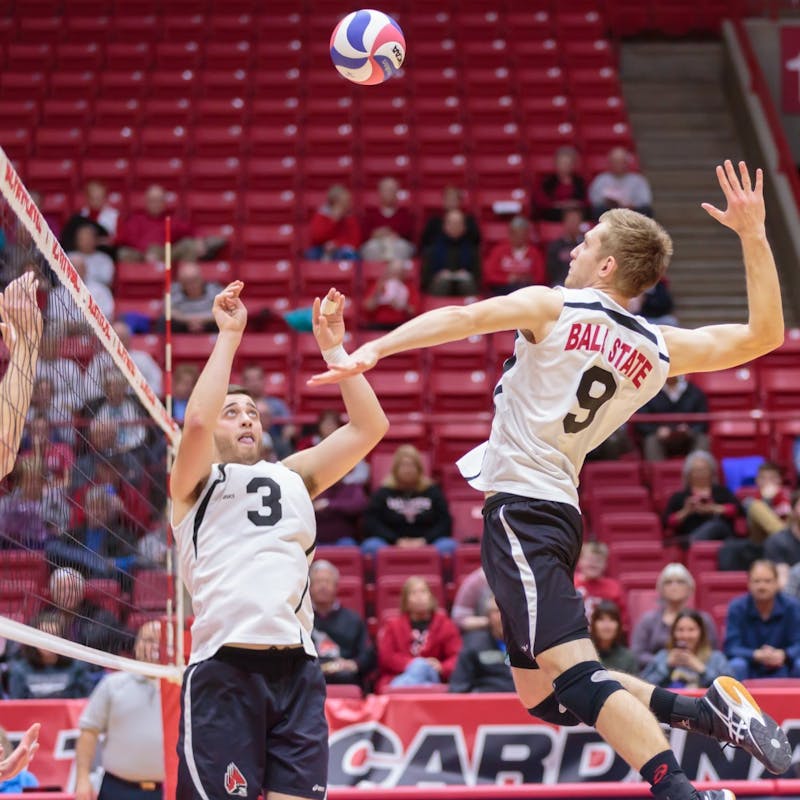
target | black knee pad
x=584, y=689
x=550, y=710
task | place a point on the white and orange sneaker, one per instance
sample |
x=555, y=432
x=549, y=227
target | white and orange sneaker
x=716, y=794
x=737, y=719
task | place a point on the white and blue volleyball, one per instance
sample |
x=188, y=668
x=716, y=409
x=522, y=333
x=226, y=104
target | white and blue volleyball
x=367, y=47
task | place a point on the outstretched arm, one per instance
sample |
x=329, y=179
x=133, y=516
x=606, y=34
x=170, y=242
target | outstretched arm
x=21, y=329
x=533, y=309
x=328, y=462
x=716, y=347
x=193, y=461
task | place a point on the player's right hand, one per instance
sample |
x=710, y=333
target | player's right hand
x=229, y=311
x=360, y=360
x=22, y=755
x=22, y=320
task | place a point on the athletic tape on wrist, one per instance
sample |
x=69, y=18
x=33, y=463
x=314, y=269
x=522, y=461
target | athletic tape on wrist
x=335, y=355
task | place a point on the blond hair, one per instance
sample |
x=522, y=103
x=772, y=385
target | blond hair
x=408, y=451
x=406, y=591
x=639, y=245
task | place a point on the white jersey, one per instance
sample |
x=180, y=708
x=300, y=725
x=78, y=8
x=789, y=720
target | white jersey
x=561, y=397
x=245, y=549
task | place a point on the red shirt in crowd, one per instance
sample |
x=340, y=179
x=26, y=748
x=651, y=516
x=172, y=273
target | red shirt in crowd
x=385, y=313
x=343, y=232
x=401, y=222
x=399, y=644
x=598, y=589
x=505, y=265
x=141, y=230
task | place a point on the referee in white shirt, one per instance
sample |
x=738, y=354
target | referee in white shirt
x=126, y=708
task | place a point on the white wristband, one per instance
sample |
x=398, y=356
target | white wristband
x=336, y=355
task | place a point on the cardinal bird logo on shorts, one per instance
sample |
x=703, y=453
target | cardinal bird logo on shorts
x=235, y=782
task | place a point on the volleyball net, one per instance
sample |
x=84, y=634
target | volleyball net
x=85, y=555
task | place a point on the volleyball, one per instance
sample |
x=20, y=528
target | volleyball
x=367, y=47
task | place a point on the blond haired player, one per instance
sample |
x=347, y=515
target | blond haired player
x=582, y=365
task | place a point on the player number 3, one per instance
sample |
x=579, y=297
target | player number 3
x=271, y=501
x=589, y=402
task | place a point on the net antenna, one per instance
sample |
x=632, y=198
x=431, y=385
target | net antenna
x=78, y=303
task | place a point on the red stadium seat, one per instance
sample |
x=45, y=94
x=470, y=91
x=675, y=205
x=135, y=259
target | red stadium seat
x=730, y=389
x=268, y=278
x=452, y=440
x=47, y=175
x=665, y=478
x=779, y=388
x=452, y=390
x=609, y=474
x=413, y=433
x=639, y=602
x=615, y=499
x=316, y=277
x=702, y=558
x=399, y=391
x=273, y=351
x=219, y=141
x=350, y=593
x=735, y=438
x=424, y=561
x=466, y=559
x=467, y=519
x=214, y=174
x=136, y=279
x=22, y=565
x=104, y=592
x=268, y=241
x=164, y=142
x=346, y=559
x=644, y=556
x=150, y=589
x=628, y=526
x=718, y=588
x=194, y=348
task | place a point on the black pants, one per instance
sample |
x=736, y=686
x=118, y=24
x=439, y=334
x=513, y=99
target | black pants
x=114, y=788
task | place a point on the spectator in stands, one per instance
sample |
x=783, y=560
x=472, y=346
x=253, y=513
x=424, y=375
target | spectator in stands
x=420, y=645
x=62, y=307
x=253, y=380
x=593, y=583
x=33, y=511
x=620, y=187
x=126, y=708
x=335, y=234
x=662, y=440
x=147, y=365
x=515, y=263
x=40, y=674
x=183, y=380
x=340, y=635
x=608, y=635
x=481, y=664
x=389, y=228
x=468, y=603
x=762, y=630
x=192, y=298
x=451, y=263
x=66, y=377
x=560, y=190
x=43, y=404
x=124, y=410
x=141, y=236
x=98, y=212
x=53, y=458
x=390, y=300
x=278, y=437
x=704, y=509
x=452, y=198
x=675, y=587
x=768, y=513
x=409, y=509
x=99, y=266
x=782, y=548
x=81, y=620
x=655, y=305
x=559, y=251
x=24, y=780
x=104, y=546
x=103, y=462
x=688, y=661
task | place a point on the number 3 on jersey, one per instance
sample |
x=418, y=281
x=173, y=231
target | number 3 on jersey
x=588, y=399
x=271, y=501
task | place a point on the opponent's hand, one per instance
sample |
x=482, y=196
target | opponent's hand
x=745, y=213
x=22, y=755
x=366, y=357
x=22, y=320
x=328, y=328
x=229, y=311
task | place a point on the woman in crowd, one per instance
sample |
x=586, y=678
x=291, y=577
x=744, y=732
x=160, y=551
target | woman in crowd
x=605, y=628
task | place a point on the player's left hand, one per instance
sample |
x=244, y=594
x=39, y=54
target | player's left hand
x=22, y=320
x=22, y=755
x=329, y=327
x=745, y=213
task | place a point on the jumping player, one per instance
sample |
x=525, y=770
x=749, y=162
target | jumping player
x=253, y=696
x=582, y=365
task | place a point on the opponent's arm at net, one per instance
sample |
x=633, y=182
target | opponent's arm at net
x=715, y=347
x=530, y=309
x=194, y=458
x=21, y=329
x=329, y=461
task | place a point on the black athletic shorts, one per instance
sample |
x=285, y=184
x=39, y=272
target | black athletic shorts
x=529, y=551
x=253, y=720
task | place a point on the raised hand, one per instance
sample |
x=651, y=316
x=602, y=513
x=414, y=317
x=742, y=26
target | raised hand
x=22, y=320
x=327, y=320
x=22, y=755
x=745, y=212
x=229, y=311
x=359, y=361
